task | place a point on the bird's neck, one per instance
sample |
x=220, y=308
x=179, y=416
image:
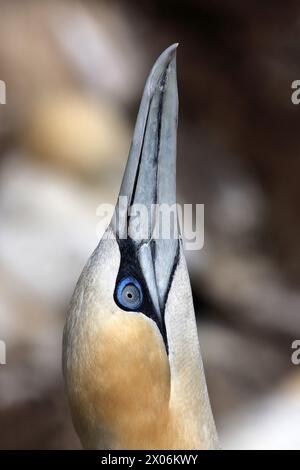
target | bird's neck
x=125, y=399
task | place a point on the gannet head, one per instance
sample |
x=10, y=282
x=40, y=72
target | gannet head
x=131, y=358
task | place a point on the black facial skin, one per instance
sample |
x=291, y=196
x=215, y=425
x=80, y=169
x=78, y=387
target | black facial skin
x=129, y=266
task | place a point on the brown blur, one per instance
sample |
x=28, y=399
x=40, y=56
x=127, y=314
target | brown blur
x=74, y=73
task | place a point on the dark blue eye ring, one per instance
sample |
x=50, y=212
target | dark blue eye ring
x=129, y=293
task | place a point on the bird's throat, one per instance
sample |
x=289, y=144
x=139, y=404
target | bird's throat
x=119, y=388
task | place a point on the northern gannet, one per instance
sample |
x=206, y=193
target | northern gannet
x=131, y=359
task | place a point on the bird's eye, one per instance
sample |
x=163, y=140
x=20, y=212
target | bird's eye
x=129, y=293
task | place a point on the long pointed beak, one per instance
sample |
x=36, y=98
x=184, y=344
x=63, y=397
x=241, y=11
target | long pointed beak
x=150, y=176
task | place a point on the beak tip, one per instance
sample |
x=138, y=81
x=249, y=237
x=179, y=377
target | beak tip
x=167, y=57
x=173, y=51
x=169, y=53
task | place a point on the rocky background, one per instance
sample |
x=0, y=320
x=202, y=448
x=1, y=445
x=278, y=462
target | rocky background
x=74, y=73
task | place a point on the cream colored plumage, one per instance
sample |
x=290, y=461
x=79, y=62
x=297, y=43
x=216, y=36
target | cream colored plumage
x=134, y=376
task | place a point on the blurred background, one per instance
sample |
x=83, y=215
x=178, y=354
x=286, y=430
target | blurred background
x=74, y=73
